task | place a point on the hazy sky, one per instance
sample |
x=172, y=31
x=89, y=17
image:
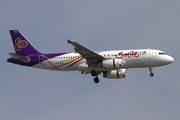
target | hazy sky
x=35, y=94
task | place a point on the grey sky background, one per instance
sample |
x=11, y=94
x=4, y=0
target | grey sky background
x=35, y=94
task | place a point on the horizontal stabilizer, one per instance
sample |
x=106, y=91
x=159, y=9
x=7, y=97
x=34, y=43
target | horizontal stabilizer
x=19, y=57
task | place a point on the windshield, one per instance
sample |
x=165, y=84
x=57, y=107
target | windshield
x=162, y=53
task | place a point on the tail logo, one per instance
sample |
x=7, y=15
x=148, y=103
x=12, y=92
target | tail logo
x=19, y=44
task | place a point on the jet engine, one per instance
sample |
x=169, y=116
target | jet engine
x=112, y=63
x=115, y=74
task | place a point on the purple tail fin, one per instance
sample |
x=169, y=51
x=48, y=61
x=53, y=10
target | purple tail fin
x=21, y=45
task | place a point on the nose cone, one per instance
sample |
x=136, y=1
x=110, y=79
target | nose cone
x=169, y=59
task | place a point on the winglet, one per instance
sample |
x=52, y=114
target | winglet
x=68, y=41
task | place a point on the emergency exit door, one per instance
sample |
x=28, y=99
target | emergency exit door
x=150, y=53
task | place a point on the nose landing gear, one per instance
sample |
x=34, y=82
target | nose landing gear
x=151, y=73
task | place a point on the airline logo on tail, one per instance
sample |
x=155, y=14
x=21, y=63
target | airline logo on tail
x=19, y=44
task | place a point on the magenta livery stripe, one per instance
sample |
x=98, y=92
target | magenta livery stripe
x=113, y=63
x=117, y=73
x=52, y=64
x=72, y=64
x=99, y=51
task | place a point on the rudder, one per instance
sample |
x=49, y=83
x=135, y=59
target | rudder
x=21, y=45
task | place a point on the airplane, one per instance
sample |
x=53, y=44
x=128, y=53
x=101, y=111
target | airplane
x=112, y=64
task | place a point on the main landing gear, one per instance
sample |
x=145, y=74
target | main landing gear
x=96, y=80
x=94, y=73
x=151, y=73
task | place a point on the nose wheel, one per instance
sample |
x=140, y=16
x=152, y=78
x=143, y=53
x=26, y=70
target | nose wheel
x=151, y=73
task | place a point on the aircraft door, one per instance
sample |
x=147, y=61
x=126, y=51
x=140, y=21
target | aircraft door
x=150, y=53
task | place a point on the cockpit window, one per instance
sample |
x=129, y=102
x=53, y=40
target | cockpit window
x=162, y=53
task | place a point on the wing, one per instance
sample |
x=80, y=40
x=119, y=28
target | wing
x=91, y=57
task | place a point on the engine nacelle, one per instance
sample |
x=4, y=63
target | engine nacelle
x=115, y=74
x=112, y=64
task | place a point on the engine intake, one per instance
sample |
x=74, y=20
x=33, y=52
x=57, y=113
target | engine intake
x=115, y=74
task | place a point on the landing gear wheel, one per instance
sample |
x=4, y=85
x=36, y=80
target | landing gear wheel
x=96, y=79
x=93, y=73
x=151, y=74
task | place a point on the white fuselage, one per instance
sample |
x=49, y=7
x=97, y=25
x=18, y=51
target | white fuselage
x=137, y=58
x=112, y=63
